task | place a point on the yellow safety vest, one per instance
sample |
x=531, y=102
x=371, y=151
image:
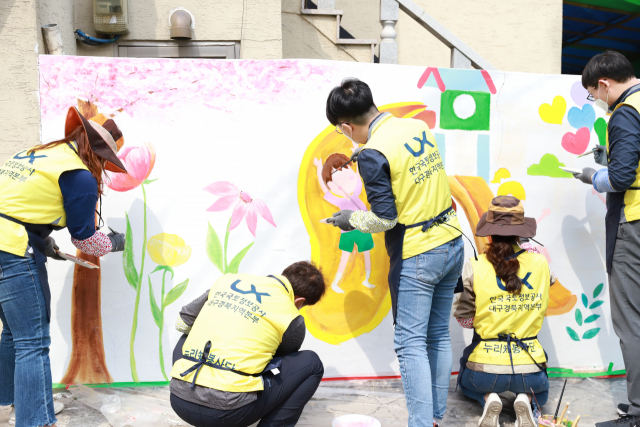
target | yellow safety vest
x=244, y=318
x=29, y=192
x=419, y=182
x=631, y=198
x=499, y=312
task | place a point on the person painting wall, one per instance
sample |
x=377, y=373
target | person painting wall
x=426, y=260
x=46, y=188
x=506, y=295
x=610, y=80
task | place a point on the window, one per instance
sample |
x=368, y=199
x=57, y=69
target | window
x=178, y=49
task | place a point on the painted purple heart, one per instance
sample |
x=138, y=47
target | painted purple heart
x=579, y=94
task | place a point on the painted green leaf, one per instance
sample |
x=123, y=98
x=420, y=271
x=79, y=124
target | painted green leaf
x=598, y=290
x=235, y=262
x=175, y=293
x=128, y=261
x=591, y=333
x=164, y=267
x=592, y=318
x=214, y=248
x=157, y=314
x=574, y=336
x=585, y=301
x=596, y=304
x=149, y=181
x=578, y=317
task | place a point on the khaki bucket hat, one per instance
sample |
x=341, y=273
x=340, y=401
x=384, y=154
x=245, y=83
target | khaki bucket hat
x=505, y=217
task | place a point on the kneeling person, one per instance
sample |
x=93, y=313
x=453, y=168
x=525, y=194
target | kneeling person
x=506, y=294
x=239, y=360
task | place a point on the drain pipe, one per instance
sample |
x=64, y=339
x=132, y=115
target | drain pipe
x=52, y=39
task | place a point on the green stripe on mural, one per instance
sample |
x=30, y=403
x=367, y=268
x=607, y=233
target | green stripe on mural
x=120, y=385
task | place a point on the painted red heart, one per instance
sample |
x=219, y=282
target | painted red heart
x=576, y=143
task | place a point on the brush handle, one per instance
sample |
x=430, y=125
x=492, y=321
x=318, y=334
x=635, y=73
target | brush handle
x=575, y=423
x=564, y=412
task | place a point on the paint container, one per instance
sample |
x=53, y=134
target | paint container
x=545, y=421
x=355, y=420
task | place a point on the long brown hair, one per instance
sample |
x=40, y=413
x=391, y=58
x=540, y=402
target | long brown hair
x=497, y=251
x=91, y=160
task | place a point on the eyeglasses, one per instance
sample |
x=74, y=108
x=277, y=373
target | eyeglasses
x=338, y=128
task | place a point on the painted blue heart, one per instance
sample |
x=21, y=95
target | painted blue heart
x=582, y=118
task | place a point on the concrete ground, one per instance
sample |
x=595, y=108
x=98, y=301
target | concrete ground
x=594, y=399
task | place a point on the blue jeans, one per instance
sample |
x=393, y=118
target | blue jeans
x=25, y=372
x=422, y=340
x=476, y=384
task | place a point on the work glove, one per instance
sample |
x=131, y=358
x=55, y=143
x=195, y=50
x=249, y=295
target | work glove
x=354, y=156
x=600, y=156
x=117, y=241
x=586, y=175
x=341, y=220
x=51, y=248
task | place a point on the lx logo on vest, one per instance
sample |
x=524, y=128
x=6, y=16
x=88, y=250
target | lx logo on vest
x=525, y=282
x=422, y=142
x=253, y=290
x=31, y=157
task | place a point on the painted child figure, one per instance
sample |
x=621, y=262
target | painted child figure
x=342, y=188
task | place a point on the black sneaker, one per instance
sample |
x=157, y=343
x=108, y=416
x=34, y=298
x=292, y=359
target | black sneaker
x=623, y=409
x=625, y=420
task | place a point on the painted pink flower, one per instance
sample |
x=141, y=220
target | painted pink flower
x=244, y=205
x=139, y=162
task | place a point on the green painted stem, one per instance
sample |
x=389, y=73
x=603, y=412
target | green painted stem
x=226, y=242
x=164, y=273
x=134, y=327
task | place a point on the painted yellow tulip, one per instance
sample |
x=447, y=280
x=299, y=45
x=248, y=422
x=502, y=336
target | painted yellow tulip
x=168, y=250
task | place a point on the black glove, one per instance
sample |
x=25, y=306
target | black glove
x=600, y=156
x=117, y=241
x=341, y=220
x=586, y=175
x=51, y=248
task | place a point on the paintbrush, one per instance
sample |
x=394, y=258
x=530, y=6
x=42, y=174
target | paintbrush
x=353, y=158
x=588, y=152
x=555, y=417
x=575, y=423
x=564, y=412
x=536, y=400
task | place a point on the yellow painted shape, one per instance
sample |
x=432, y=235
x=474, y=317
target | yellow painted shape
x=340, y=317
x=500, y=174
x=474, y=196
x=561, y=300
x=514, y=188
x=553, y=113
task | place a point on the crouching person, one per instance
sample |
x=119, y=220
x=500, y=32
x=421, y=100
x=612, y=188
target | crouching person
x=239, y=360
x=506, y=294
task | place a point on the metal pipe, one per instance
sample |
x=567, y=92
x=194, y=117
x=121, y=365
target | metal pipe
x=52, y=39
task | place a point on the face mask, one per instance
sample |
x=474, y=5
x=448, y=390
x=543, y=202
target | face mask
x=602, y=104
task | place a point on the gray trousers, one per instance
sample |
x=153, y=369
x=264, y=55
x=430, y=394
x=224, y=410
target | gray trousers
x=624, y=291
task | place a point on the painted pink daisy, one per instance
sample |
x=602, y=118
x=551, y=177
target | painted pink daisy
x=244, y=205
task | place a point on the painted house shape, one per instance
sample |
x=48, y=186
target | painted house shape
x=465, y=104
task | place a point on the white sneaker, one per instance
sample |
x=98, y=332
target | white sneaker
x=524, y=416
x=491, y=415
x=57, y=408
